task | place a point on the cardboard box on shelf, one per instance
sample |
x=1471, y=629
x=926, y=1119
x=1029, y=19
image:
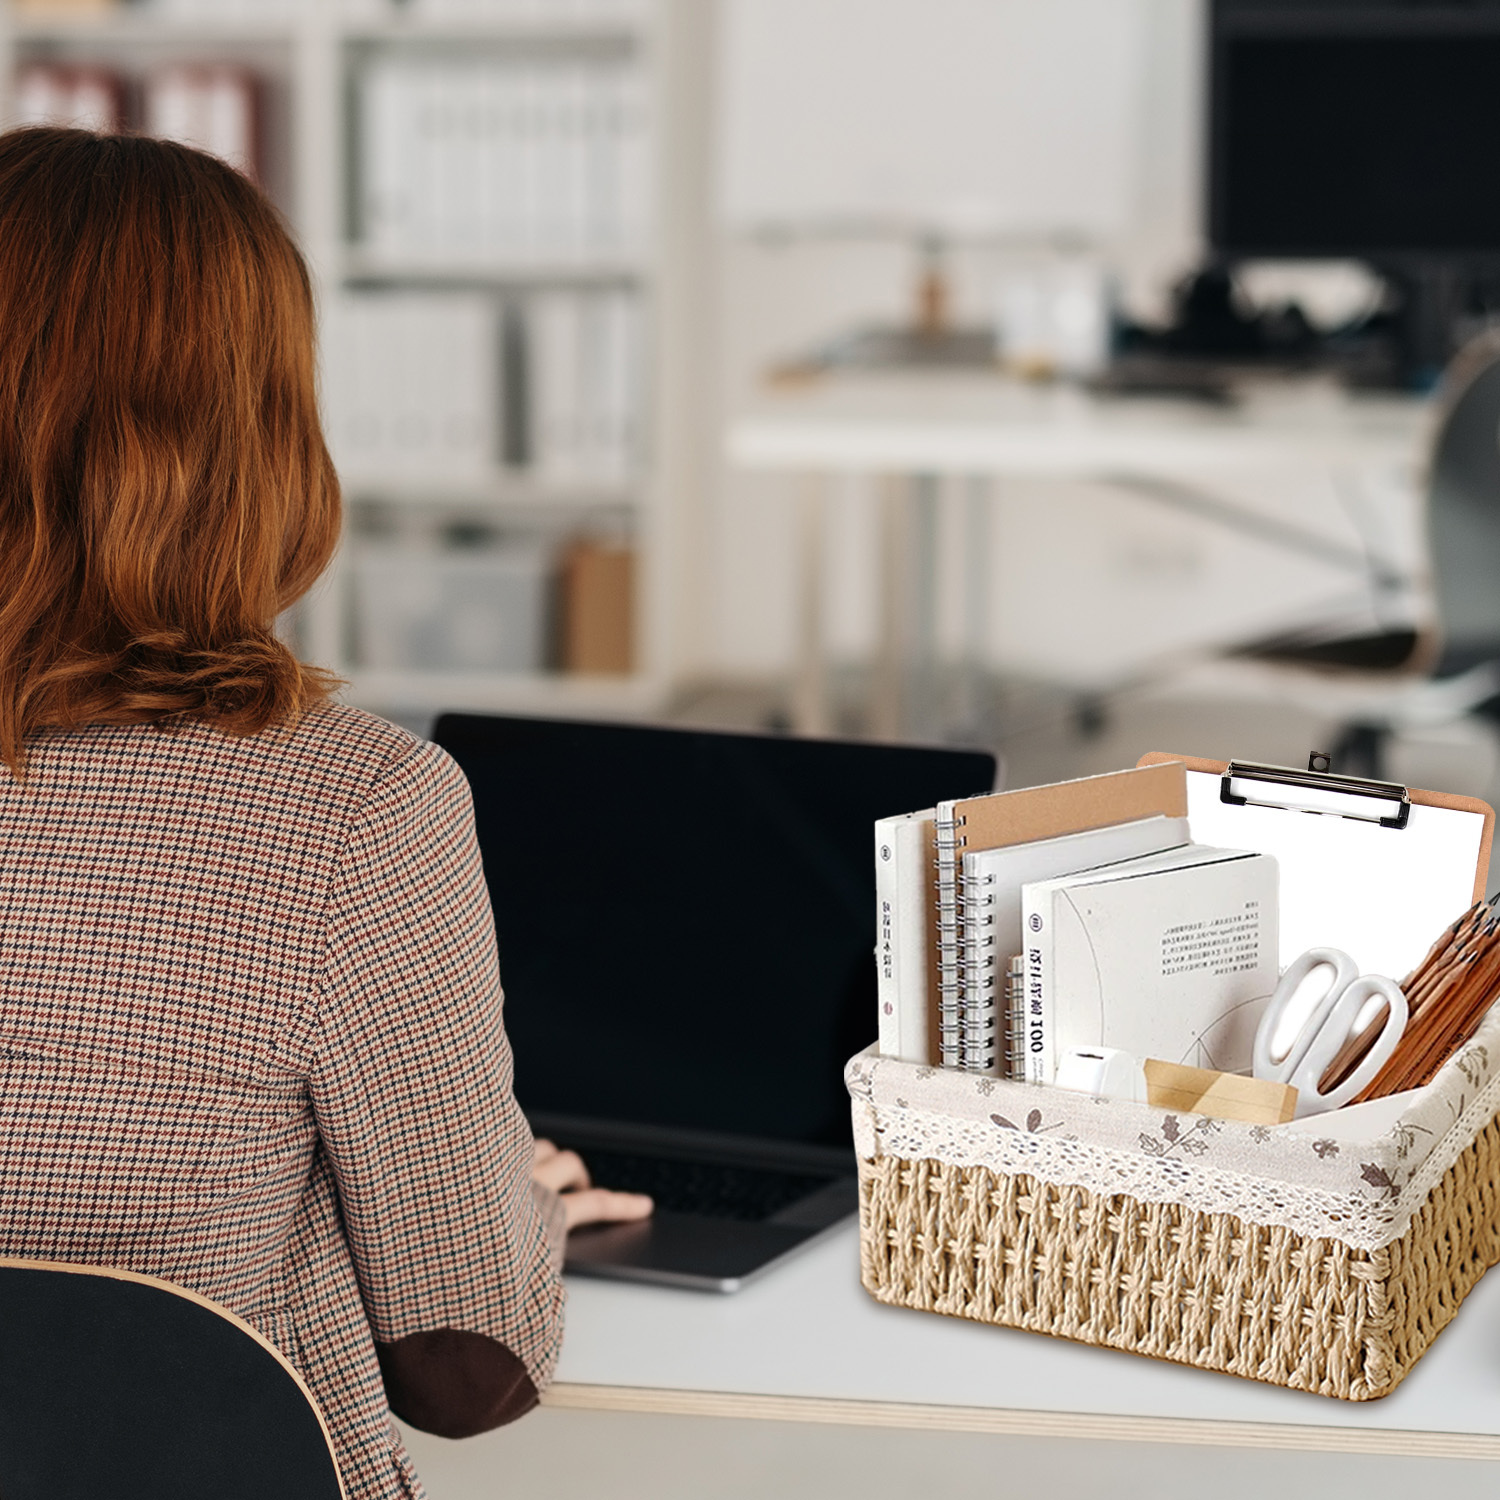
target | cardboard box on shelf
x=598, y=608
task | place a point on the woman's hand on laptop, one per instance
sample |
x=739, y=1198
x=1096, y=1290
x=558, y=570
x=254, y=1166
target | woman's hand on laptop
x=583, y=1203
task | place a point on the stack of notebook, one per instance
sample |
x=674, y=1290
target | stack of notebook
x=1016, y=925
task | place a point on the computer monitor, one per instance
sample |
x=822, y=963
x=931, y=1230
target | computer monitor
x=1365, y=129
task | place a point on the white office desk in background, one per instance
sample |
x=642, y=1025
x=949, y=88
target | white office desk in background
x=917, y=432
x=806, y=1344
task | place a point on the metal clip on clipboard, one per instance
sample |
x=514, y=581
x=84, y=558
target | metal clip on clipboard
x=1318, y=790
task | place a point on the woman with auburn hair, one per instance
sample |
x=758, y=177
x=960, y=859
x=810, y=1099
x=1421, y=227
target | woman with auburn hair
x=250, y=1011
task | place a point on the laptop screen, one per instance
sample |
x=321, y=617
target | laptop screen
x=686, y=919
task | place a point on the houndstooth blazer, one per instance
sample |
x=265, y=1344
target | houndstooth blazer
x=251, y=1042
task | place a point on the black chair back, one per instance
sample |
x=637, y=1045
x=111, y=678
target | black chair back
x=118, y=1385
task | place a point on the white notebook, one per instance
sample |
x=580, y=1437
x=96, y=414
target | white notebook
x=905, y=894
x=1173, y=956
x=991, y=894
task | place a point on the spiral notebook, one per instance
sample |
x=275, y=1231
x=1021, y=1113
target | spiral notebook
x=992, y=894
x=998, y=820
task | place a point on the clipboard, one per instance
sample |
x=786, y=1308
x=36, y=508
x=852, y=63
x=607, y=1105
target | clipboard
x=1373, y=867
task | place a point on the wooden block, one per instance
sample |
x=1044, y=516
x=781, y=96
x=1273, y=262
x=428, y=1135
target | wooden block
x=1225, y=1096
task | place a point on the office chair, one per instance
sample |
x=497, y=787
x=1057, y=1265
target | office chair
x=119, y=1385
x=1451, y=668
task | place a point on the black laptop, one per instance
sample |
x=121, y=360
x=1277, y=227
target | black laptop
x=686, y=923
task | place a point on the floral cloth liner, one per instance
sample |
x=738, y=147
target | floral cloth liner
x=1363, y=1193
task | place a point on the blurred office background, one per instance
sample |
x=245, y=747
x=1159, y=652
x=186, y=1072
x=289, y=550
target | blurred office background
x=856, y=366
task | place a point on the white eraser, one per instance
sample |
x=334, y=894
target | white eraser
x=1102, y=1070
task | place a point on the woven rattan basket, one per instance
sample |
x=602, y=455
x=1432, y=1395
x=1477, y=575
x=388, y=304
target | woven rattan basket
x=1325, y=1262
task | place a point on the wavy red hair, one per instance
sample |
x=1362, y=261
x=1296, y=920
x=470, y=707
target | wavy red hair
x=165, y=491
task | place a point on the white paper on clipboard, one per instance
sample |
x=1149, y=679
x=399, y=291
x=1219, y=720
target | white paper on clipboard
x=1381, y=894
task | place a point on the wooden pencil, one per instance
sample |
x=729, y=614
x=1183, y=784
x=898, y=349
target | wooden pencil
x=1450, y=992
x=1443, y=959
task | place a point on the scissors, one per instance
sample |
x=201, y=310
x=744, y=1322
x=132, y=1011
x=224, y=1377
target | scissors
x=1326, y=1010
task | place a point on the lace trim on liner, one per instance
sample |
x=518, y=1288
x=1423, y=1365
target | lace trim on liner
x=1367, y=1217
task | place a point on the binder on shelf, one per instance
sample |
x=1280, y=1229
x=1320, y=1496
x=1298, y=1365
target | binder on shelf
x=213, y=107
x=84, y=97
x=465, y=386
x=517, y=448
x=557, y=366
x=412, y=386
x=479, y=161
x=583, y=378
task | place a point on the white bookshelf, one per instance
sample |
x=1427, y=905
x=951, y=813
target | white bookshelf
x=307, y=56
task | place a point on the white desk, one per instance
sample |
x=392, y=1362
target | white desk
x=808, y=1344
x=802, y=1386
x=985, y=429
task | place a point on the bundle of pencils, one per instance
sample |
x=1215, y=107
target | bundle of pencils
x=1447, y=995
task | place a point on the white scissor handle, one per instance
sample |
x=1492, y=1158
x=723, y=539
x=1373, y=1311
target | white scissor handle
x=1278, y=1062
x=1341, y=1022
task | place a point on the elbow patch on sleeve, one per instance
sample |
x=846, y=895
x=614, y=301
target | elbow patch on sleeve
x=454, y=1383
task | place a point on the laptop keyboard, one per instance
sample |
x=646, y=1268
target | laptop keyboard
x=714, y=1189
